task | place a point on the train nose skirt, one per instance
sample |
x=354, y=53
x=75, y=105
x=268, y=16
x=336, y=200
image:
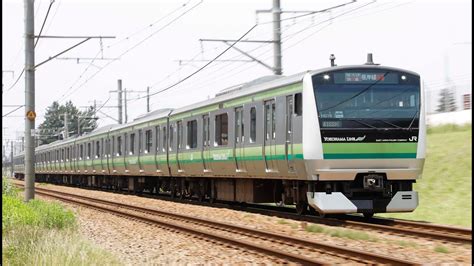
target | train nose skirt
x=337, y=202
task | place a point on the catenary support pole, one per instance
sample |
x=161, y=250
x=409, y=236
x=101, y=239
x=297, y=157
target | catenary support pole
x=66, y=127
x=125, y=103
x=276, y=37
x=119, y=91
x=29, y=100
x=147, y=99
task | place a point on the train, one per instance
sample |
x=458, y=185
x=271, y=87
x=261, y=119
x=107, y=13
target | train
x=342, y=139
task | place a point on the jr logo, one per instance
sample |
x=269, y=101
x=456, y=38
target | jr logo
x=413, y=138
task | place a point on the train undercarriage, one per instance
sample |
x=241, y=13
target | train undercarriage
x=363, y=195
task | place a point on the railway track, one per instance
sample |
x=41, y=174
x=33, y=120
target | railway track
x=393, y=226
x=286, y=248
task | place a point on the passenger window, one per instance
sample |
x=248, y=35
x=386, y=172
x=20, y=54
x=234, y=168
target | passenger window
x=148, y=141
x=132, y=143
x=298, y=104
x=119, y=146
x=171, y=133
x=180, y=133
x=140, y=144
x=97, y=149
x=222, y=129
x=192, y=134
x=164, y=139
x=253, y=125
x=89, y=150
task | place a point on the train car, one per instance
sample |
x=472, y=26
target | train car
x=343, y=139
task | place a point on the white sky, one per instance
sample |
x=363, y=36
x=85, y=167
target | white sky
x=432, y=38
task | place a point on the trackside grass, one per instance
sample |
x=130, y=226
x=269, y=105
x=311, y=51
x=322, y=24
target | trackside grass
x=445, y=189
x=43, y=233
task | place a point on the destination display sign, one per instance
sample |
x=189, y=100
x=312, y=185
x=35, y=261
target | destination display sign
x=365, y=78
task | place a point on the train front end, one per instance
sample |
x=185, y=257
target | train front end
x=363, y=139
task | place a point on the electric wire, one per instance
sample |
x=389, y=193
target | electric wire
x=130, y=49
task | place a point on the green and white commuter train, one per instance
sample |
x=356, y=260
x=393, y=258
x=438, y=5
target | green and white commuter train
x=343, y=139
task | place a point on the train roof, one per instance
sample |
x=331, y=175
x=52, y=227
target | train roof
x=245, y=89
x=240, y=90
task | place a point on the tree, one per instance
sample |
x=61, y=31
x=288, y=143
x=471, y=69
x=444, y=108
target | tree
x=447, y=102
x=53, y=128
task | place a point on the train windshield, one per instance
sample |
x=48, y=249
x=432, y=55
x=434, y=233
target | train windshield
x=361, y=98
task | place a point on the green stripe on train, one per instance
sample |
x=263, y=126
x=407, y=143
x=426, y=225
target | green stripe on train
x=405, y=147
x=369, y=150
x=369, y=155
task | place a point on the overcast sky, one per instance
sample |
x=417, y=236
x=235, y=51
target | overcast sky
x=432, y=38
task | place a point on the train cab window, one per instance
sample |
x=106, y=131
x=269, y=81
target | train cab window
x=132, y=143
x=148, y=141
x=192, y=134
x=97, y=149
x=222, y=130
x=119, y=146
x=298, y=104
x=253, y=124
x=89, y=150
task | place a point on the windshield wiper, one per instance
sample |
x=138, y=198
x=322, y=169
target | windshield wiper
x=362, y=123
x=388, y=123
x=413, y=119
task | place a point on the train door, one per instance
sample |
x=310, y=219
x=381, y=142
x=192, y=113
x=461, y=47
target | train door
x=206, y=152
x=157, y=148
x=289, y=154
x=270, y=136
x=166, y=147
x=105, y=157
x=179, y=143
x=239, y=140
x=140, y=151
x=125, y=153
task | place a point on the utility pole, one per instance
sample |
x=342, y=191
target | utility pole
x=120, y=102
x=66, y=126
x=276, y=11
x=125, y=99
x=147, y=99
x=276, y=38
x=29, y=99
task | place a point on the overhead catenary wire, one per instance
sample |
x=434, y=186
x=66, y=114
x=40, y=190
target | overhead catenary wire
x=128, y=50
x=44, y=22
x=14, y=110
x=204, y=66
x=290, y=36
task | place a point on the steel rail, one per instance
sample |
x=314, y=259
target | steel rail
x=333, y=250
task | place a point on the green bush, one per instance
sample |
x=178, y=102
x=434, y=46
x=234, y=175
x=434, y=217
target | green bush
x=34, y=213
x=43, y=233
x=9, y=189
